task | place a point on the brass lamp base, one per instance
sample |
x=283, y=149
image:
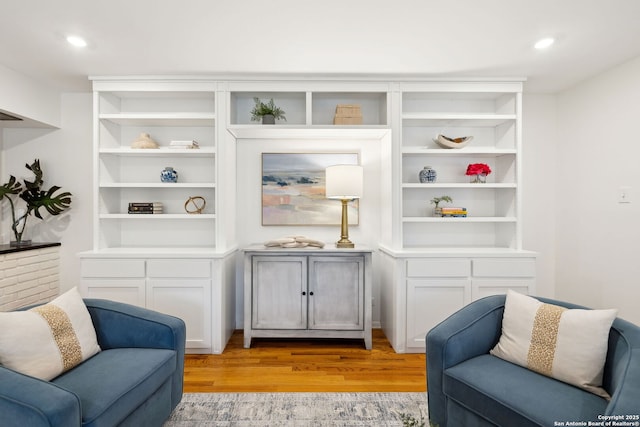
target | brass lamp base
x=344, y=241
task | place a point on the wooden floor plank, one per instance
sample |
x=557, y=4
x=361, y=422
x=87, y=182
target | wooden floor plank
x=305, y=366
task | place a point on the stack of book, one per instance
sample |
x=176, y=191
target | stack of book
x=184, y=144
x=145, y=208
x=454, y=212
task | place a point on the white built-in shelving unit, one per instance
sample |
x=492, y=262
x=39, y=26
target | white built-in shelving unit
x=174, y=261
x=435, y=265
x=492, y=115
x=426, y=266
x=310, y=103
x=126, y=174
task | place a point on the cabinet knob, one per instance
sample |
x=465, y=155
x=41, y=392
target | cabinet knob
x=304, y=293
x=310, y=293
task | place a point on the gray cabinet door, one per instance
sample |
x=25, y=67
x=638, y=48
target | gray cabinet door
x=279, y=292
x=336, y=292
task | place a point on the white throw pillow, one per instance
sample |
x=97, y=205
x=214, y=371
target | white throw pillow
x=569, y=345
x=47, y=340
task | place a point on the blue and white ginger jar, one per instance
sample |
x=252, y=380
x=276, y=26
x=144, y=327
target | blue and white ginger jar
x=168, y=174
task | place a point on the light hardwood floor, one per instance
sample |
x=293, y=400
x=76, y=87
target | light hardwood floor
x=272, y=365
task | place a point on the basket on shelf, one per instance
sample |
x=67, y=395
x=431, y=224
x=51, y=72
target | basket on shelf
x=348, y=114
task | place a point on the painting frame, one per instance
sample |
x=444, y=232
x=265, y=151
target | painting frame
x=293, y=189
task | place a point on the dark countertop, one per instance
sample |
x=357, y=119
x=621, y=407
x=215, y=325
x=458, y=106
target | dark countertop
x=7, y=249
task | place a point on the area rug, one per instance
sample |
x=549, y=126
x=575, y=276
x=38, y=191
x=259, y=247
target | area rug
x=297, y=409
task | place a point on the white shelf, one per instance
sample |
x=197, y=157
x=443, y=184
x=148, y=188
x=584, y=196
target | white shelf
x=160, y=152
x=162, y=185
x=155, y=252
x=155, y=217
x=474, y=251
x=458, y=185
x=160, y=119
x=474, y=151
x=457, y=119
x=467, y=219
x=298, y=132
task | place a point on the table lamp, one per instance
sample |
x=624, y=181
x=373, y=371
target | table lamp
x=344, y=182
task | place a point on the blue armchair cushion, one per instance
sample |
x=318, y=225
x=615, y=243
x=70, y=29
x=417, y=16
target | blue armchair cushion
x=108, y=394
x=50, y=339
x=566, y=344
x=508, y=395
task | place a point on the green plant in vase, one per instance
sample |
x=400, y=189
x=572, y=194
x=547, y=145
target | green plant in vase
x=34, y=198
x=437, y=211
x=267, y=112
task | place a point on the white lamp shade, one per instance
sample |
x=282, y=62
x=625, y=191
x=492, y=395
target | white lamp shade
x=344, y=181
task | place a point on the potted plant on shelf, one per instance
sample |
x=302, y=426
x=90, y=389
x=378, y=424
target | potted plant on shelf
x=267, y=112
x=34, y=198
x=437, y=211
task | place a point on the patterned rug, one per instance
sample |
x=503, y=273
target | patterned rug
x=297, y=409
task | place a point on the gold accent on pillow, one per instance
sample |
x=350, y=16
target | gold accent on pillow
x=63, y=334
x=544, y=336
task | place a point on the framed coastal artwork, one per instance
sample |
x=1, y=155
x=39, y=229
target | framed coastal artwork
x=293, y=189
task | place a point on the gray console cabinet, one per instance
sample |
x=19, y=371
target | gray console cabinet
x=307, y=293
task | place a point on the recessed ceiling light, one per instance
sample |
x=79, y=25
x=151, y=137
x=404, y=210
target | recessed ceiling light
x=76, y=41
x=544, y=43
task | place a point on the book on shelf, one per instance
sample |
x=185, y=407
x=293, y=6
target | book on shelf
x=145, y=208
x=184, y=144
x=135, y=210
x=145, y=204
x=449, y=212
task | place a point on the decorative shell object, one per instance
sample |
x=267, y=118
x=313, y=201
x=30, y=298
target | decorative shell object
x=446, y=142
x=144, y=141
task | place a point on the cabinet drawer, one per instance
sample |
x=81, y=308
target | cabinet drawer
x=504, y=267
x=179, y=268
x=481, y=288
x=438, y=267
x=112, y=268
x=128, y=291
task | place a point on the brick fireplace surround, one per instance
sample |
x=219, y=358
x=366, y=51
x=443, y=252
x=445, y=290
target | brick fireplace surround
x=28, y=275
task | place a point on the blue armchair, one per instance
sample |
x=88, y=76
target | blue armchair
x=136, y=380
x=468, y=387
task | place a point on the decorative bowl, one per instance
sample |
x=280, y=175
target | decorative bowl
x=446, y=142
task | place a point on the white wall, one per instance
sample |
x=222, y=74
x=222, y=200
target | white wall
x=539, y=186
x=598, y=239
x=65, y=158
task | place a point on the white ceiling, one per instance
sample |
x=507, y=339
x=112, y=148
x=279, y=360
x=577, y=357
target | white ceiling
x=429, y=38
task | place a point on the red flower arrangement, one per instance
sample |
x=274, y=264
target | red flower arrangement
x=478, y=169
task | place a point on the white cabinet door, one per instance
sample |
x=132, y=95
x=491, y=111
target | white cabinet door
x=279, y=292
x=182, y=288
x=188, y=299
x=429, y=302
x=336, y=293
